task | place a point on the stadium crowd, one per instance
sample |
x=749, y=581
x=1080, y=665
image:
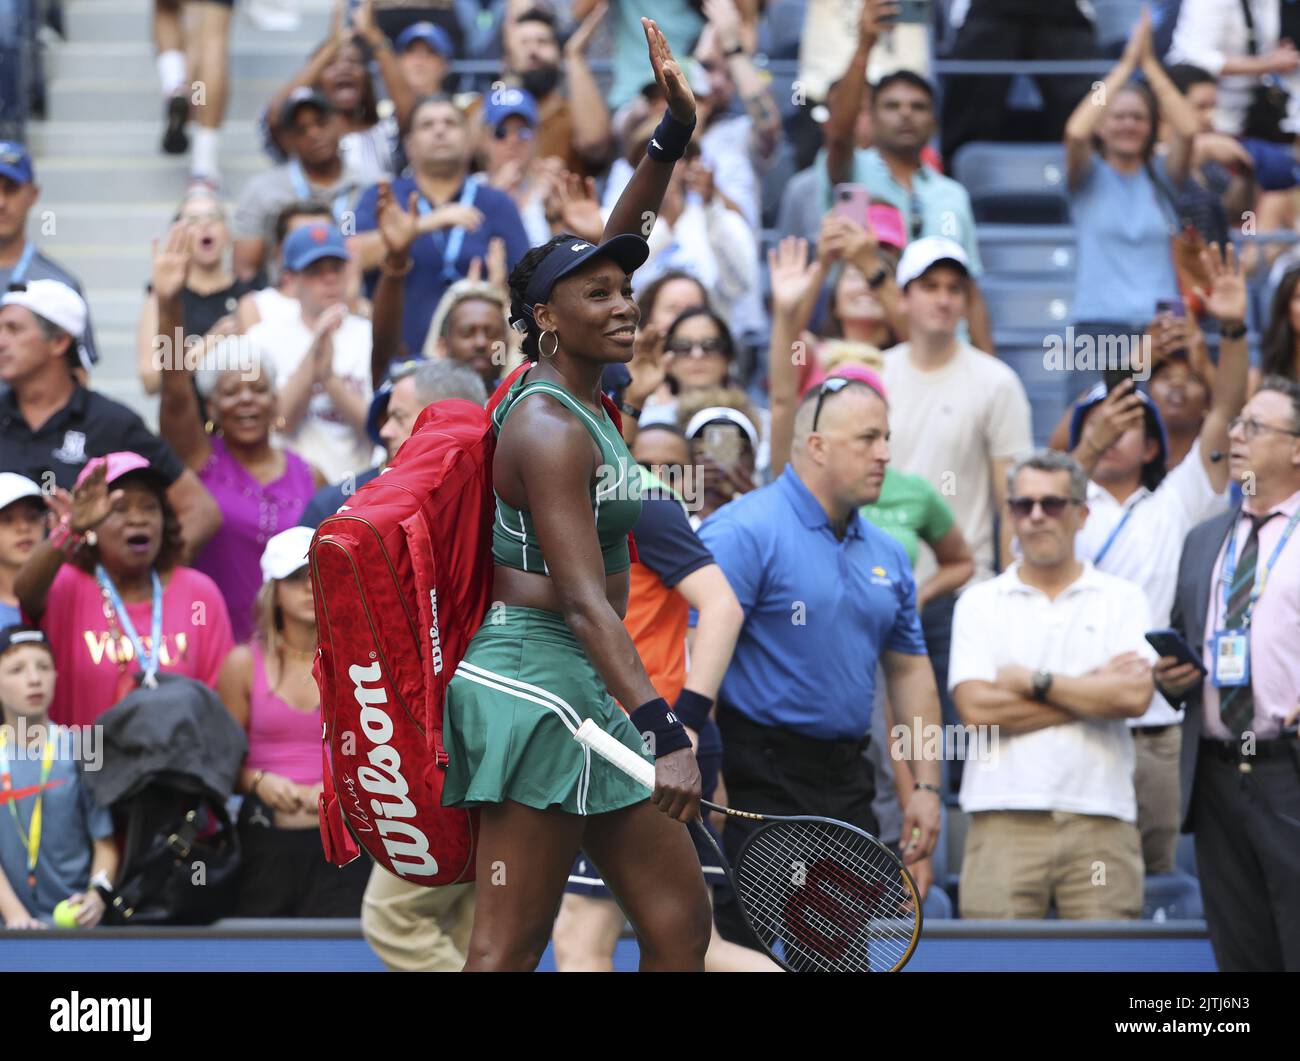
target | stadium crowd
x=864, y=541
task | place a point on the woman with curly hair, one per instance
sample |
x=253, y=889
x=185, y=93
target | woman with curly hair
x=108, y=589
x=553, y=647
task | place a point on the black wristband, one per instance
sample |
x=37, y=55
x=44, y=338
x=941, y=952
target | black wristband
x=669, y=140
x=1232, y=331
x=661, y=730
x=631, y=410
x=693, y=709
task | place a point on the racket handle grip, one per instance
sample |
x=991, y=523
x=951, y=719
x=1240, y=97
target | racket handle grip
x=616, y=752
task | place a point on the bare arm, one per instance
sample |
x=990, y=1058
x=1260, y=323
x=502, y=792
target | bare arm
x=1087, y=115
x=845, y=99
x=591, y=128
x=720, y=620
x=310, y=72
x=910, y=680
x=1174, y=109
x=795, y=283
x=977, y=320
x=146, y=345
x=351, y=406
x=180, y=420
x=397, y=230
x=249, y=254
x=985, y=704
x=765, y=121
x=363, y=21
x=235, y=683
x=199, y=514
x=1006, y=532
x=956, y=565
x=1225, y=301
x=1121, y=688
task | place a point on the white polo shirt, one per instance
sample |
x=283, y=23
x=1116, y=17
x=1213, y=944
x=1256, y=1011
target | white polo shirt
x=1146, y=550
x=1086, y=766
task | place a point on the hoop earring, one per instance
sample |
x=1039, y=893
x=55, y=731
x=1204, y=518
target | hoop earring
x=281, y=423
x=554, y=349
x=209, y=427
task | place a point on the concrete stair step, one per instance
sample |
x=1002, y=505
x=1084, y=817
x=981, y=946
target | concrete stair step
x=108, y=264
x=267, y=57
x=74, y=226
x=107, y=180
x=114, y=99
x=126, y=139
x=130, y=20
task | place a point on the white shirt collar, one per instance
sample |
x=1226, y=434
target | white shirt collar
x=1009, y=582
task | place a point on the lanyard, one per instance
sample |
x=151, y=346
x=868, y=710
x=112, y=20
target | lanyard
x=1115, y=531
x=1261, y=573
x=456, y=237
x=148, y=664
x=303, y=190
x=19, y=273
x=31, y=840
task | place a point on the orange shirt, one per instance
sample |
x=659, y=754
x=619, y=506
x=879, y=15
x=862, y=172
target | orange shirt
x=657, y=619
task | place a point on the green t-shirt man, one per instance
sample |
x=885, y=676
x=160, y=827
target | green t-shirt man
x=911, y=510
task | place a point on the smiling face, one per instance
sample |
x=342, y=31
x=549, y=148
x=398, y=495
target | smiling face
x=475, y=329
x=21, y=529
x=1125, y=129
x=675, y=297
x=592, y=312
x=1181, y=396
x=244, y=409
x=27, y=680
x=131, y=537
x=854, y=299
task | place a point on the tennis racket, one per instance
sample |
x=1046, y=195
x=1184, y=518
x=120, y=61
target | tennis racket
x=820, y=895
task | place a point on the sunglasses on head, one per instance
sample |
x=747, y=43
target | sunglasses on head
x=686, y=346
x=832, y=386
x=1053, y=507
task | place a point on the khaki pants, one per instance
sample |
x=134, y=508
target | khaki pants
x=417, y=929
x=1017, y=863
x=1155, y=778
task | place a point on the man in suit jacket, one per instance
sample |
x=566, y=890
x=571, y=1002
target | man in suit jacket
x=1238, y=605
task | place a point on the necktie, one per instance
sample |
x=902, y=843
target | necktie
x=1237, y=702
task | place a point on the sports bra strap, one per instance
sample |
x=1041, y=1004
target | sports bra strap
x=542, y=386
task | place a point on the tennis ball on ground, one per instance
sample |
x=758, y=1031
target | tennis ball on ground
x=65, y=915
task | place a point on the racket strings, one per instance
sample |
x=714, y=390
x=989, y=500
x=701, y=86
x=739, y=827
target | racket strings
x=826, y=898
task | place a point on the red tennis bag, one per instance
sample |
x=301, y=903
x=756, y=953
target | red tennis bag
x=402, y=578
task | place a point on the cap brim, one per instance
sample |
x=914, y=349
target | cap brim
x=378, y=412
x=629, y=252
x=319, y=103
x=314, y=255
x=14, y=174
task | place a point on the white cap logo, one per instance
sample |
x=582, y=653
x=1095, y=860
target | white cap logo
x=579, y=247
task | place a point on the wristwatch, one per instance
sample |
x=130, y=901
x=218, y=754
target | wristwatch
x=1041, y=684
x=1234, y=330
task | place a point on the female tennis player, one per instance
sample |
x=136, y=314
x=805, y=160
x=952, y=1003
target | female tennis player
x=553, y=646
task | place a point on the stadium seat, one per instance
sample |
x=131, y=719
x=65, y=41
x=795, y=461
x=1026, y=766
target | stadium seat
x=937, y=905
x=1028, y=306
x=1185, y=855
x=1043, y=251
x=1171, y=897
x=780, y=28
x=1016, y=184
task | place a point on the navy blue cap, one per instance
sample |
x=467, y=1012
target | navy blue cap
x=303, y=96
x=1276, y=168
x=628, y=251
x=434, y=36
x=378, y=411
x=15, y=162
x=503, y=102
x=1154, y=470
x=310, y=243
x=18, y=634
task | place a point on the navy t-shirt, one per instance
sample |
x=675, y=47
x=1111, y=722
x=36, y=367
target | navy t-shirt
x=666, y=542
x=427, y=280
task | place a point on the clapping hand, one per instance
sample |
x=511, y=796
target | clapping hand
x=397, y=227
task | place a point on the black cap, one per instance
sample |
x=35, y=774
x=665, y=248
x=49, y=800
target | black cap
x=300, y=97
x=17, y=635
x=628, y=251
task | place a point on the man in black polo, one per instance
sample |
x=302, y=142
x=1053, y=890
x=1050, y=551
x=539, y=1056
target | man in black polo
x=50, y=425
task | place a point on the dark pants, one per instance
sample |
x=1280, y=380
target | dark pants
x=974, y=107
x=1247, y=826
x=284, y=872
x=936, y=625
x=774, y=771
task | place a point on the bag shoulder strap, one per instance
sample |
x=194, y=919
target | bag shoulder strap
x=1252, y=44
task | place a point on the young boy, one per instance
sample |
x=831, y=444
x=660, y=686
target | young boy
x=22, y=515
x=56, y=843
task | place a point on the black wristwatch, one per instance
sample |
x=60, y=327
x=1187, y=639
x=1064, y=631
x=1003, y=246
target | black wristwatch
x=877, y=278
x=1042, y=683
x=1232, y=331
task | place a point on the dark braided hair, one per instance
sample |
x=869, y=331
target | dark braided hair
x=520, y=277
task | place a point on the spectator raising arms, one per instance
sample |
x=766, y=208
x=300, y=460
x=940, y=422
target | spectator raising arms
x=121, y=604
x=22, y=525
x=1120, y=194
x=56, y=843
x=1280, y=349
x=267, y=685
x=260, y=488
x=210, y=297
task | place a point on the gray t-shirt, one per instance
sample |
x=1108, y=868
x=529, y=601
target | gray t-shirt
x=43, y=268
x=71, y=822
x=268, y=193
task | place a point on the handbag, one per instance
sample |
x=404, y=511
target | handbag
x=1267, y=109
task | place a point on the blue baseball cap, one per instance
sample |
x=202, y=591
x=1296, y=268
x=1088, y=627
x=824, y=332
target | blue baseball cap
x=1154, y=470
x=434, y=36
x=1276, y=168
x=311, y=243
x=627, y=250
x=503, y=102
x=378, y=411
x=15, y=162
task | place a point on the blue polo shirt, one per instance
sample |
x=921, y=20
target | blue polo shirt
x=819, y=611
x=428, y=280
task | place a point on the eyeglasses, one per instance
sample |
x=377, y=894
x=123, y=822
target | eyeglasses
x=689, y=346
x=1053, y=507
x=831, y=386
x=524, y=132
x=1251, y=428
x=200, y=218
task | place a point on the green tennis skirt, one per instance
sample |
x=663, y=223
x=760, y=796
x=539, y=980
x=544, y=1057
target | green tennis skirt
x=518, y=696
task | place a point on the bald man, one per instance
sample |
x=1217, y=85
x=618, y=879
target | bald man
x=827, y=597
